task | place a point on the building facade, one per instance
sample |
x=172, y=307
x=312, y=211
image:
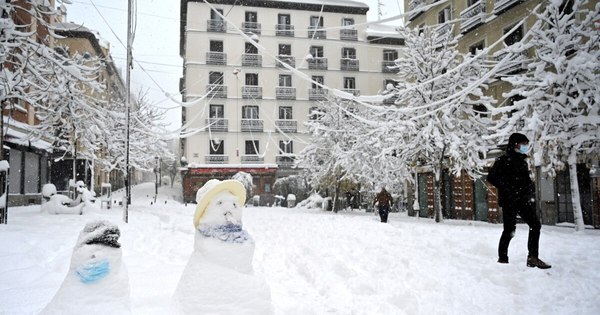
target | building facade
x=246, y=109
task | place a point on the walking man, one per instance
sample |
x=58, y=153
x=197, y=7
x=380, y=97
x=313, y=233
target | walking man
x=384, y=201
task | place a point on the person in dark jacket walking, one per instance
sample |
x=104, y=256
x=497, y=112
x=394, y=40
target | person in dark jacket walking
x=516, y=195
x=384, y=203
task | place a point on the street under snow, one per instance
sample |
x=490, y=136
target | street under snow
x=316, y=262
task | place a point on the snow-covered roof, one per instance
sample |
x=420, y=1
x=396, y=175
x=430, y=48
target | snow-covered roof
x=17, y=134
x=382, y=30
x=71, y=26
x=345, y=3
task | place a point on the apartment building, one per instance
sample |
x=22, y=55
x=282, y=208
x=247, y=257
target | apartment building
x=479, y=24
x=247, y=109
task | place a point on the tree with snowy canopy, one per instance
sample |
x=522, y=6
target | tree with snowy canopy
x=440, y=91
x=558, y=107
x=247, y=181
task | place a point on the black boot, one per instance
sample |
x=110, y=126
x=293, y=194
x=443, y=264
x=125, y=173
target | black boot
x=503, y=260
x=536, y=262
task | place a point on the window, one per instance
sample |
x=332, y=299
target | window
x=252, y=79
x=316, y=51
x=286, y=147
x=216, y=147
x=319, y=79
x=252, y=147
x=316, y=22
x=285, y=80
x=514, y=37
x=216, y=111
x=284, y=19
x=251, y=16
x=215, y=16
x=471, y=2
x=349, y=53
x=250, y=49
x=285, y=112
x=285, y=49
x=444, y=15
x=476, y=48
x=315, y=113
x=347, y=22
x=250, y=112
x=216, y=46
x=390, y=55
x=215, y=77
x=349, y=83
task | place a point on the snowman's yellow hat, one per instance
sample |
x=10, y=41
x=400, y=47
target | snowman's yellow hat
x=213, y=187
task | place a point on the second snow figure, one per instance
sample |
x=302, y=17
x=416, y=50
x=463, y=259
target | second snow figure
x=219, y=277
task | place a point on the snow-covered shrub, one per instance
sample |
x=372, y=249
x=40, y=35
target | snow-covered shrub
x=246, y=180
x=314, y=201
x=294, y=184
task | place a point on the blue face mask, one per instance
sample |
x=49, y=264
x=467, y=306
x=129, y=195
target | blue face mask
x=524, y=148
x=93, y=271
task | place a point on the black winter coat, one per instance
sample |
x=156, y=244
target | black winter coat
x=510, y=175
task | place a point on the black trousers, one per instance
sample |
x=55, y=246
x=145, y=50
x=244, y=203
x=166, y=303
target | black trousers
x=509, y=214
x=383, y=213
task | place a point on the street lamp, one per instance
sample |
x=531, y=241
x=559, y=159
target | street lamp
x=156, y=177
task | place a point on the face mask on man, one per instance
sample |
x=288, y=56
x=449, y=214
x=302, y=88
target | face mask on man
x=523, y=149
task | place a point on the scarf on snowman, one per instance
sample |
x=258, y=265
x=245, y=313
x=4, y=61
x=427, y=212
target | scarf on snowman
x=230, y=233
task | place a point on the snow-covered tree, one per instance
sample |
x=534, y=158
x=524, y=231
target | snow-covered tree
x=247, y=181
x=440, y=92
x=559, y=96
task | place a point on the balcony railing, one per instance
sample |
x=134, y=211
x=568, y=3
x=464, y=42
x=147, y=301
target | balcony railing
x=287, y=125
x=349, y=64
x=216, y=159
x=251, y=91
x=252, y=159
x=217, y=124
x=443, y=33
x=216, y=90
x=516, y=63
x=252, y=125
x=473, y=16
x=285, y=160
x=251, y=27
x=286, y=59
x=285, y=93
x=284, y=30
x=216, y=58
x=355, y=92
x=216, y=26
x=317, y=63
x=316, y=33
x=413, y=7
x=502, y=5
x=386, y=64
x=348, y=34
x=317, y=94
x=251, y=60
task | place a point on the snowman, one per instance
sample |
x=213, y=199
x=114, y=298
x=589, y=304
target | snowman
x=97, y=281
x=219, y=277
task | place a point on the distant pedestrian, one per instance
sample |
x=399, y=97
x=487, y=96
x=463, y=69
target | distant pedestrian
x=516, y=195
x=384, y=204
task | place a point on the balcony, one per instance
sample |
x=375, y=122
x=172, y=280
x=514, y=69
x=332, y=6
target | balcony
x=284, y=30
x=348, y=34
x=217, y=124
x=251, y=27
x=216, y=26
x=251, y=60
x=414, y=8
x=252, y=159
x=285, y=160
x=349, y=64
x=355, y=92
x=390, y=100
x=285, y=93
x=291, y=61
x=473, y=16
x=316, y=33
x=502, y=5
x=252, y=125
x=251, y=92
x=216, y=90
x=516, y=63
x=386, y=64
x=216, y=159
x=317, y=94
x=317, y=63
x=216, y=58
x=443, y=33
x=287, y=125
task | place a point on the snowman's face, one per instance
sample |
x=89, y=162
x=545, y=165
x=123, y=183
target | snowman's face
x=224, y=208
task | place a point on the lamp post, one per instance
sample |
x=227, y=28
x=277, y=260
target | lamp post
x=156, y=178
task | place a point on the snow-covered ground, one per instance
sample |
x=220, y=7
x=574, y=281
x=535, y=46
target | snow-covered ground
x=316, y=262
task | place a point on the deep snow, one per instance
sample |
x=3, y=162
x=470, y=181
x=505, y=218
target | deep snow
x=316, y=262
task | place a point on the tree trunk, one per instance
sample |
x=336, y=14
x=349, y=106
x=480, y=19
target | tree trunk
x=437, y=188
x=575, y=199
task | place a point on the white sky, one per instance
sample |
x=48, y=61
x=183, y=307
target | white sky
x=156, y=44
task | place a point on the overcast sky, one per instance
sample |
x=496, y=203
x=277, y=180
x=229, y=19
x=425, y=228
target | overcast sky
x=156, y=44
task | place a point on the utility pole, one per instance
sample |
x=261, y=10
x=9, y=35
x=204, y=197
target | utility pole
x=128, y=105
